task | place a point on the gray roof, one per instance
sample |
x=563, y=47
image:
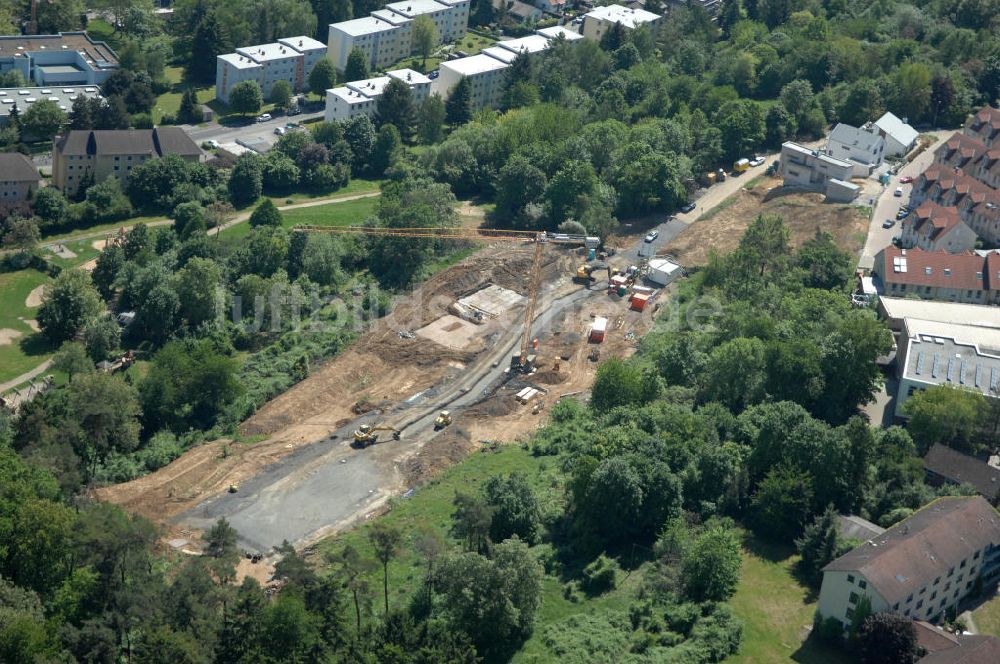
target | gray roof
x=159, y=141
x=851, y=526
x=915, y=551
x=963, y=469
x=859, y=138
x=15, y=167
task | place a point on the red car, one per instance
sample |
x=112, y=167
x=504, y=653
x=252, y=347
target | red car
x=906, y=179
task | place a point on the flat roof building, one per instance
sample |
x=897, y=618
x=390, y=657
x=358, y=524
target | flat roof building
x=290, y=59
x=23, y=98
x=361, y=97
x=486, y=76
x=559, y=31
x=67, y=58
x=597, y=22
x=895, y=309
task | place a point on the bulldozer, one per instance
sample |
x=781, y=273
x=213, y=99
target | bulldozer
x=585, y=273
x=443, y=420
x=367, y=434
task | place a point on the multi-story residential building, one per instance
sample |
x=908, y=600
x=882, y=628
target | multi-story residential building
x=18, y=177
x=899, y=137
x=361, y=97
x=290, y=59
x=951, y=188
x=932, y=227
x=932, y=353
x=508, y=50
x=80, y=155
x=64, y=59
x=23, y=98
x=894, y=310
x=486, y=76
x=937, y=275
x=557, y=31
x=862, y=148
x=984, y=125
x=811, y=169
x=945, y=465
x=922, y=567
x=945, y=647
x=386, y=36
x=597, y=22
x=972, y=157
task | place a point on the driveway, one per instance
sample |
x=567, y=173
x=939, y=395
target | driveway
x=888, y=204
x=253, y=131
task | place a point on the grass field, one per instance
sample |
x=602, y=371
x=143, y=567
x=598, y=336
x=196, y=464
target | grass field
x=987, y=616
x=111, y=226
x=27, y=351
x=330, y=214
x=355, y=186
x=170, y=102
x=776, y=611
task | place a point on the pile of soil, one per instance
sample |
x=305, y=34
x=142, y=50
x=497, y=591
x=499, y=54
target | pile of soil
x=444, y=450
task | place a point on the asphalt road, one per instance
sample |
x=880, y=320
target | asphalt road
x=263, y=131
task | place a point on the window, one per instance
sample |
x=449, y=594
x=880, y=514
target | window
x=862, y=584
x=853, y=599
x=951, y=572
x=895, y=607
x=850, y=613
x=937, y=580
x=919, y=604
x=961, y=565
x=922, y=590
x=910, y=598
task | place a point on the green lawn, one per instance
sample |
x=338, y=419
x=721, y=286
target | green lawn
x=346, y=213
x=30, y=349
x=776, y=611
x=109, y=227
x=170, y=102
x=355, y=186
x=987, y=616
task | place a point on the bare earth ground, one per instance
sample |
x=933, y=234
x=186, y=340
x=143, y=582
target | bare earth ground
x=7, y=336
x=804, y=214
x=382, y=367
x=34, y=298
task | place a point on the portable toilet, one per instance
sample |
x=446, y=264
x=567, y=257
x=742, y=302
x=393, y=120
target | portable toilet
x=591, y=254
x=599, y=329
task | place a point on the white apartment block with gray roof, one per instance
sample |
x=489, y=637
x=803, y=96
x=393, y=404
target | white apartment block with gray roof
x=290, y=59
x=361, y=97
x=598, y=22
x=386, y=35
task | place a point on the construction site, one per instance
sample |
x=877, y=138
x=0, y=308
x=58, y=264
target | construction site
x=475, y=356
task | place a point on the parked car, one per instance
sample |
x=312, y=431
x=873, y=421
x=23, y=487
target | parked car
x=888, y=223
x=294, y=110
x=903, y=211
x=264, y=117
x=757, y=161
x=214, y=144
x=434, y=74
x=687, y=207
x=652, y=235
x=280, y=131
x=906, y=179
x=898, y=193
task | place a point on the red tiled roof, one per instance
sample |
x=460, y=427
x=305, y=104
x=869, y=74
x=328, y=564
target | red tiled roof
x=933, y=220
x=986, y=115
x=953, y=179
x=959, y=148
x=934, y=268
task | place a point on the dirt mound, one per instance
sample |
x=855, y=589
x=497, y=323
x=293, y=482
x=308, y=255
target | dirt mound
x=447, y=448
x=549, y=377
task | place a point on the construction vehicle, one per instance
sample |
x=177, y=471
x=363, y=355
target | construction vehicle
x=443, y=420
x=233, y=488
x=367, y=434
x=523, y=361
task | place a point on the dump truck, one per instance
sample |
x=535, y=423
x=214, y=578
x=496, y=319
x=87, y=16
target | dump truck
x=367, y=434
x=443, y=420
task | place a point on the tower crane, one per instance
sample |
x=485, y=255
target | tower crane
x=523, y=361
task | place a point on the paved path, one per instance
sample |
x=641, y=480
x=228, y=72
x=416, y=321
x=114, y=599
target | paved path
x=25, y=377
x=888, y=204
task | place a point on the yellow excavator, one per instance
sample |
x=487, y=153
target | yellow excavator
x=584, y=273
x=367, y=434
x=442, y=420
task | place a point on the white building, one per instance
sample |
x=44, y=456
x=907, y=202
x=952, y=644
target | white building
x=862, y=148
x=386, y=36
x=812, y=169
x=486, y=76
x=559, y=31
x=922, y=567
x=361, y=97
x=290, y=59
x=899, y=137
x=597, y=22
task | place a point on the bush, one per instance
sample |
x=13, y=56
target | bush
x=601, y=575
x=161, y=449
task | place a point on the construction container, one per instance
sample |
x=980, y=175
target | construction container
x=599, y=329
x=639, y=301
x=741, y=166
x=662, y=271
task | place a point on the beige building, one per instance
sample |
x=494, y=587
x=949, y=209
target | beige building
x=18, y=177
x=922, y=568
x=937, y=275
x=932, y=227
x=81, y=154
x=599, y=21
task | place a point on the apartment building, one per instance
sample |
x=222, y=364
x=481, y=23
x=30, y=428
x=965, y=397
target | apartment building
x=597, y=22
x=933, y=353
x=984, y=125
x=814, y=170
x=361, y=97
x=922, y=568
x=932, y=227
x=486, y=76
x=386, y=36
x=944, y=465
x=63, y=59
x=18, y=177
x=937, y=275
x=290, y=59
x=80, y=154
x=863, y=149
x=951, y=188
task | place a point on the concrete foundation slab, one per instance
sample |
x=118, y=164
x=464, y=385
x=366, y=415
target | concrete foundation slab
x=451, y=332
x=492, y=301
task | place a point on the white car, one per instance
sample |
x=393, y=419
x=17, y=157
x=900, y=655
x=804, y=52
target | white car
x=898, y=193
x=280, y=131
x=757, y=161
x=652, y=235
x=264, y=117
x=214, y=144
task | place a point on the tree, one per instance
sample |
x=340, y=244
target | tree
x=246, y=98
x=425, y=37
x=620, y=383
x=826, y=265
x=322, y=77
x=22, y=235
x=430, y=122
x=220, y=544
x=387, y=150
x=356, y=68
x=246, y=181
x=157, y=315
x=395, y=107
x=50, y=205
x=818, y=545
x=109, y=263
x=359, y=132
x=355, y=569
x=189, y=220
x=385, y=540
x=520, y=183
x=112, y=114
x=83, y=112
x=68, y=303
x=472, y=522
x=742, y=125
x=796, y=97
x=266, y=214
x=887, y=638
x=59, y=16
x=514, y=508
x=199, y=289
x=779, y=126
x=42, y=120
x=106, y=409
x=458, y=108
x=948, y=415
x=736, y=374
x=72, y=359
x=188, y=112
x=492, y=600
x=281, y=94
x=711, y=566
x=782, y=503
x=210, y=40
x=101, y=335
